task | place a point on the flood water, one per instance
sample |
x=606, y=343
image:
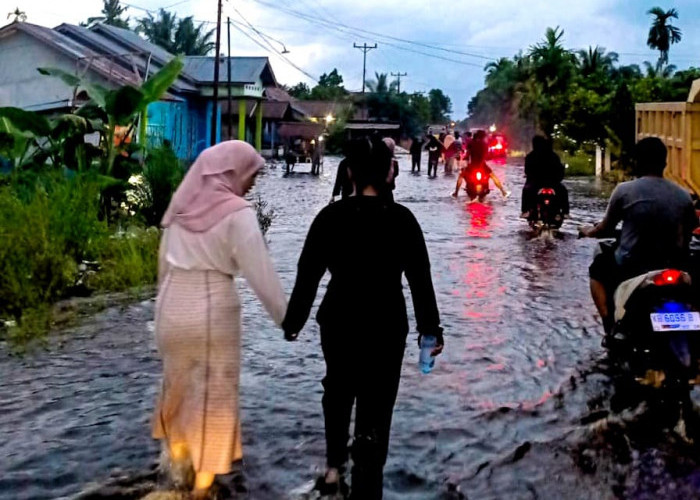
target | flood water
x=515, y=407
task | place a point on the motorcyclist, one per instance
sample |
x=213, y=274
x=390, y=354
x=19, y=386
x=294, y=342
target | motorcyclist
x=658, y=219
x=477, y=161
x=543, y=168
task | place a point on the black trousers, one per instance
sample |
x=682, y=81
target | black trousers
x=530, y=191
x=433, y=164
x=415, y=162
x=365, y=375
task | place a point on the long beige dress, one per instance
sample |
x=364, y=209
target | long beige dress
x=198, y=333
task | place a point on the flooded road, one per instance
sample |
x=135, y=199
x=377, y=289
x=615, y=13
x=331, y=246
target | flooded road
x=515, y=407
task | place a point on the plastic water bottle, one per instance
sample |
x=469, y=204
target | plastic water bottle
x=426, y=361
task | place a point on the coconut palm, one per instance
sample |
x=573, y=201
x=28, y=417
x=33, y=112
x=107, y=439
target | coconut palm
x=595, y=60
x=662, y=34
x=176, y=36
x=111, y=14
x=654, y=71
x=192, y=40
x=381, y=84
x=553, y=63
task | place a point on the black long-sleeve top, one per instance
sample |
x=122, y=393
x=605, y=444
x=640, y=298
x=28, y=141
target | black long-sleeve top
x=367, y=244
x=543, y=168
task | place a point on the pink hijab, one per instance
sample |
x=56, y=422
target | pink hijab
x=213, y=187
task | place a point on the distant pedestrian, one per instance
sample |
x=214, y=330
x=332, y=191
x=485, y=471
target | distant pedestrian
x=415, y=150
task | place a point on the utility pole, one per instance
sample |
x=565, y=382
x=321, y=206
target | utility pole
x=364, y=48
x=398, y=79
x=230, y=101
x=215, y=97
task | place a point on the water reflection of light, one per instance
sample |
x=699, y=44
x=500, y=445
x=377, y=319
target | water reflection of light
x=480, y=223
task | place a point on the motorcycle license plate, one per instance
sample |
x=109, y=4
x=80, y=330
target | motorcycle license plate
x=479, y=188
x=674, y=322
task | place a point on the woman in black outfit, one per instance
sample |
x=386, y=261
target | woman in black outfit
x=367, y=243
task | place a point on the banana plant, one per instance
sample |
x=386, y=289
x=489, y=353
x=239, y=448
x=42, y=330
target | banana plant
x=120, y=107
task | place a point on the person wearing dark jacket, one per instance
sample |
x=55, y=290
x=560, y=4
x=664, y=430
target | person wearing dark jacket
x=434, y=151
x=543, y=168
x=363, y=317
x=416, y=150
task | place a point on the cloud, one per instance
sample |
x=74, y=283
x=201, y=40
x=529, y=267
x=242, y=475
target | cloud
x=484, y=28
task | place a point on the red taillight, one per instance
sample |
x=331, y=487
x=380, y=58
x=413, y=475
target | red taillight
x=548, y=191
x=479, y=175
x=498, y=146
x=668, y=277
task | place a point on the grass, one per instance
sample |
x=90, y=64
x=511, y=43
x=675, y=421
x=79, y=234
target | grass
x=578, y=164
x=50, y=228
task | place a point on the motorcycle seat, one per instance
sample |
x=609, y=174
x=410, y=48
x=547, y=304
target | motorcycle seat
x=625, y=290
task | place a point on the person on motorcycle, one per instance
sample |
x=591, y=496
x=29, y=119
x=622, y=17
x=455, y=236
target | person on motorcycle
x=477, y=161
x=543, y=168
x=658, y=219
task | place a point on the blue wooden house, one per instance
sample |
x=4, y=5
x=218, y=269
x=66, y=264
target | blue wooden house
x=113, y=57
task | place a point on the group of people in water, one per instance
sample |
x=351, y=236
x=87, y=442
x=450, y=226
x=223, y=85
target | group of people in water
x=367, y=243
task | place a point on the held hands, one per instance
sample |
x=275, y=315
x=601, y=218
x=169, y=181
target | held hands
x=438, y=348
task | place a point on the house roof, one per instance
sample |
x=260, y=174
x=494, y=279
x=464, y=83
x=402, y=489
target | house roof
x=318, y=109
x=271, y=109
x=124, y=47
x=305, y=130
x=74, y=50
x=372, y=126
x=134, y=41
x=278, y=94
x=243, y=69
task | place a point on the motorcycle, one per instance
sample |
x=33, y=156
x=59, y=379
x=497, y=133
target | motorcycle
x=547, y=213
x=655, y=340
x=478, y=184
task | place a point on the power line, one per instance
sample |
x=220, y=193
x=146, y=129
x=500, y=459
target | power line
x=266, y=49
x=264, y=38
x=351, y=30
x=374, y=33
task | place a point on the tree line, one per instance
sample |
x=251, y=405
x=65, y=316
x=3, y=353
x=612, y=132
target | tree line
x=580, y=98
x=383, y=100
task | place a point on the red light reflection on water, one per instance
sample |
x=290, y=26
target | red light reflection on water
x=480, y=223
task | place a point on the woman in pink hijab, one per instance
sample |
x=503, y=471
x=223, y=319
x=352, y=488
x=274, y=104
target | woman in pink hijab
x=211, y=235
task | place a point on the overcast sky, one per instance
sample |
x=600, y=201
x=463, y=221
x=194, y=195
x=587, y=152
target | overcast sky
x=468, y=33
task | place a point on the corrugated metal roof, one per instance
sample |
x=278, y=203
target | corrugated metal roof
x=105, y=67
x=243, y=69
x=132, y=39
x=129, y=48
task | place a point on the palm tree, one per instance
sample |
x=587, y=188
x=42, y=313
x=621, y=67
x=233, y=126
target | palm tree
x=20, y=16
x=596, y=59
x=381, y=84
x=662, y=34
x=176, y=36
x=111, y=14
x=553, y=63
x=160, y=30
x=494, y=69
x=654, y=71
x=191, y=40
